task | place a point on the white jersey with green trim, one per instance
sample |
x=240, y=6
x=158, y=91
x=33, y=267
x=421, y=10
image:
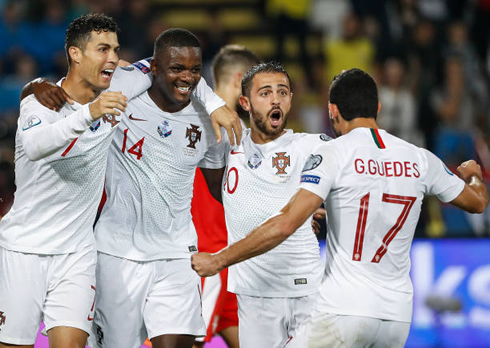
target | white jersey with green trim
x=259, y=181
x=149, y=181
x=373, y=184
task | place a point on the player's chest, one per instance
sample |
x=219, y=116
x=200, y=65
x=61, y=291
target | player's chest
x=162, y=138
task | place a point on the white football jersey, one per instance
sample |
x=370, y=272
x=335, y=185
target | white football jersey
x=374, y=184
x=259, y=181
x=60, y=160
x=149, y=181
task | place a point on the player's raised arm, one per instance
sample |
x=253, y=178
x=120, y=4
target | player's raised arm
x=221, y=115
x=474, y=197
x=41, y=138
x=263, y=238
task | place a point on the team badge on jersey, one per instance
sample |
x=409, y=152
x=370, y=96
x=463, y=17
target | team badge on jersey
x=3, y=318
x=164, y=129
x=281, y=162
x=312, y=162
x=31, y=121
x=254, y=161
x=94, y=126
x=194, y=135
x=108, y=118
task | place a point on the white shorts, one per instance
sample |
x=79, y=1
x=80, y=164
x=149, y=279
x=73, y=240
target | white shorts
x=139, y=299
x=58, y=289
x=265, y=322
x=340, y=331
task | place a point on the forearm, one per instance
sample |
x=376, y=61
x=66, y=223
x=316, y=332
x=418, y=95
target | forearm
x=262, y=239
x=44, y=141
x=480, y=189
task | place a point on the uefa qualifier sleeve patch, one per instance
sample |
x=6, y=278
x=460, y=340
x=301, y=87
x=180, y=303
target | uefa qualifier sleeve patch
x=31, y=121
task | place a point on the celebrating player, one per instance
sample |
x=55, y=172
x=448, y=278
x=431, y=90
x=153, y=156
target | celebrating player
x=145, y=234
x=219, y=306
x=373, y=184
x=47, y=248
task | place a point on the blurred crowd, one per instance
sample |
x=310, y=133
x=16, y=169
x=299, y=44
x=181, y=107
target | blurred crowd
x=430, y=59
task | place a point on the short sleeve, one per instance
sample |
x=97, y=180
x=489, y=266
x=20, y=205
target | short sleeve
x=214, y=158
x=440, y=181
x=43, y=131
x=320, y=170
x=205, y=96
x=132, y=80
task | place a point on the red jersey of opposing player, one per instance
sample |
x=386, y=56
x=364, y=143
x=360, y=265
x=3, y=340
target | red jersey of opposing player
x=219, y=306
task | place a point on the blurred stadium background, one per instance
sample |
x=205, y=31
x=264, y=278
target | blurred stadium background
x=430, y=59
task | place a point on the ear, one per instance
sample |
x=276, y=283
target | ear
x=153, y=67
x=333, y=110
x=75, y=54
x=244, y=102
x=379, y=106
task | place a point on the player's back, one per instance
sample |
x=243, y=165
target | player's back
x=377, y=183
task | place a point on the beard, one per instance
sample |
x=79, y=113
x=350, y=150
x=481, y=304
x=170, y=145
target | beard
x=261, y=123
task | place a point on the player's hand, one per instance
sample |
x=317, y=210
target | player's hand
x=108, y=103
x=320, y=214
x=49, y=94
x=227, y=118
x=205, y=264
x=468, y=169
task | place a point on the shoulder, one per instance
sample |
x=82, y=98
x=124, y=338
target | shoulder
x=33, y=113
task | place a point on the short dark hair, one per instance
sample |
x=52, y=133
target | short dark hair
x=80, y=29
x=355, y=94
x=262, y=68
x=175, y=37
x=231, y=56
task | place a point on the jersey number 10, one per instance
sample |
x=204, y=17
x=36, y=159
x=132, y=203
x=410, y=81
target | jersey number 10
x=407, y=203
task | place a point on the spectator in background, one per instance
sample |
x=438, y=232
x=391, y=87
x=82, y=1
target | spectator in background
x=398, y=113
x=481, y=29
x=453, y=139
x=292, y=19
x=352, y=50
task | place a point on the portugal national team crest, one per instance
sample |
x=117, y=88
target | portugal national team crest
x=108, y=118
x=194, y=135
x=2, y=318
x=164, y=129
x=280, y=162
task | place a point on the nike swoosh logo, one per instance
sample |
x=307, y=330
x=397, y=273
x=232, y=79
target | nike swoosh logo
x=233, y=152
x=89, y=319
x=134, y=118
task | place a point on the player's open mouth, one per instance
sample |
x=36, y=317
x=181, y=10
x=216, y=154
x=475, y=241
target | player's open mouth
x=275, y=117
x=184, y=90
x=107, y=73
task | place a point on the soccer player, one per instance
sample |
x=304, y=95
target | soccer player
x=145, y=234
x=219, y=306
x=46, y=242
x=47, y=252
x=373, y=184
x=275, y=291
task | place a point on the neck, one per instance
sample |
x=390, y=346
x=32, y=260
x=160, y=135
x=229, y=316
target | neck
x=359, y=122
x=261, y=138
x=78, y=89
x=228, y=95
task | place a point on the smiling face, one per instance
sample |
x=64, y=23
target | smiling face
x=268, y=104
x=176, y=71
x=95, y=64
